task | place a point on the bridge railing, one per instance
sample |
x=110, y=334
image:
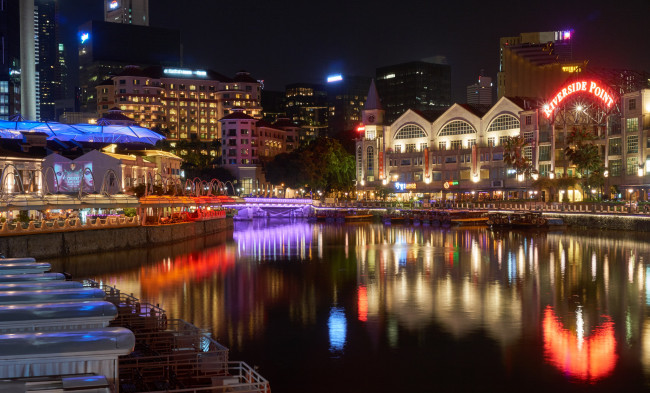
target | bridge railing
x=292, y=201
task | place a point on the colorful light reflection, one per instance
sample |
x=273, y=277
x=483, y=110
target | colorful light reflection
x=363, y=303
x=186, y=268
x=587, y=359
x=338, y=327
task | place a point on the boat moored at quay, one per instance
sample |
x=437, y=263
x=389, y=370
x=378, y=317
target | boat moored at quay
x=89, y=337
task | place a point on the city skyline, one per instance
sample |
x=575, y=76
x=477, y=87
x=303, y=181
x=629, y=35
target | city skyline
x=296, y=42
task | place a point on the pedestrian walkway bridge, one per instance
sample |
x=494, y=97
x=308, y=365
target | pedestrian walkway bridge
x=271, y=208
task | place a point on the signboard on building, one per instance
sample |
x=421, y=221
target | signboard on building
x=380, y=165
x=450, y=183
x=71, y=176
x=597, y=90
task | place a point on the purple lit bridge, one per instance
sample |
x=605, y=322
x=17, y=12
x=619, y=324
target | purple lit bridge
x=271, y=208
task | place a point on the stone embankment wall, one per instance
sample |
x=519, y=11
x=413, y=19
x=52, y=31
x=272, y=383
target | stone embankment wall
x=631, y=222
x=49, y=245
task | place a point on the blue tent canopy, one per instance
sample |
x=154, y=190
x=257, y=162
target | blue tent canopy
x=80, y=132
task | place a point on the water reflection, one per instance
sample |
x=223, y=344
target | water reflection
x=285, y=295
x=337, y=327
x=588, y=359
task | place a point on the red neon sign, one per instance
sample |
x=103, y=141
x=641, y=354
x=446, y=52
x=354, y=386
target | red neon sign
x=361, y=128
x=590, y=87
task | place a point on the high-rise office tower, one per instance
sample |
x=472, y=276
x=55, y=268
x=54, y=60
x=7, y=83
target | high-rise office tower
x=534, y=64
x=418, y=85
x=306, y=105
x=346, y=96
x=9, y=59
x=132, y=12
x=47, y=59
x=480, y=93
x=30, y=79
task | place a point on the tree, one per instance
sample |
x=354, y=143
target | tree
x=584, y=154
x=513, y=155
x=323, y=164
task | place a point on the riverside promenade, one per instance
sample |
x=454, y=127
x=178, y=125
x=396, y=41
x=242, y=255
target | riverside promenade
x=72, y=238
x=615, y=216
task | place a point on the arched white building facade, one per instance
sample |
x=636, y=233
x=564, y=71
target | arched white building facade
x=451, y=156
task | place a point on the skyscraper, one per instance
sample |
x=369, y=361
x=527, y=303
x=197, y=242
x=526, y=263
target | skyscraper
x=418, y=85
x=9, y=60
x=306, y=105
x=132, y=12
x=533, y=64
x=346, y=96
x=480, y=93
x=47, y=58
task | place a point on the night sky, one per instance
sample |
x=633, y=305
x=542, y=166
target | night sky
x=292, y=41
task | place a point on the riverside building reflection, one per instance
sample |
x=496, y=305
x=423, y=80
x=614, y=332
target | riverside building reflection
x=458, y=307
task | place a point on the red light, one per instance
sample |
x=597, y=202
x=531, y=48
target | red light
x=361, y=128
x=363, y=304
x=587, y=358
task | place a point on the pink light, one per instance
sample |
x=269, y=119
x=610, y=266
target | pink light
x=567, y=35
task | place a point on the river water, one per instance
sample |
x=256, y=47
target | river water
x=373, y=308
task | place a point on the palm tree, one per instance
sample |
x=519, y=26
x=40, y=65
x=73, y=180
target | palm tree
x=584, y=154
x=513, y=154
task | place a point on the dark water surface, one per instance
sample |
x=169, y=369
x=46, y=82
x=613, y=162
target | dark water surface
x=368, y=308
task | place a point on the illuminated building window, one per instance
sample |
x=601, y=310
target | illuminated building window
x=442, y=145
x=455, y=145
x=615, y=167
x=410, y=147
x=502, y=140
x=632, y=165
x=457, y=127
x=632, y=144
x=370, y=161
x=491, y=141
x=632, y=124
x=504, y=122
x=615, y=147
x=545, y=153
x=410, y=131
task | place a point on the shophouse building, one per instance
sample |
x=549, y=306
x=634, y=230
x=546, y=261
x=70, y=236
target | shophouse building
x=246, y=141
x=459, y=154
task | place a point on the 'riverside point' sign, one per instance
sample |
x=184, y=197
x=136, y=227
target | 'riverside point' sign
x=591, y=87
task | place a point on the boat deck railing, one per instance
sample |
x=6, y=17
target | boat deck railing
x=241, y=378
x=173, y=355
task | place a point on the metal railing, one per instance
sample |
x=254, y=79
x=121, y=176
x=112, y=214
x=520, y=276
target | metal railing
x=173, y=355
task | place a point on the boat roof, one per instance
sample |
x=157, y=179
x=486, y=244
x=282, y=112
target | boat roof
x=107, y=341
x=10, y=314
x=51, y=295
x=31, y=277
